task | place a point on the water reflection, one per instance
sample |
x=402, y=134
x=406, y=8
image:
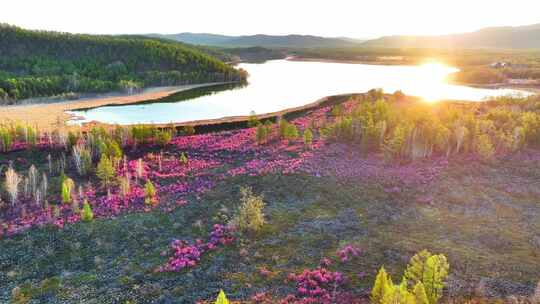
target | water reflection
x=281, y=84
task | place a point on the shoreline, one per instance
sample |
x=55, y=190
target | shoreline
x=349, y=61
x=51, y=115
x=233, y=120
x=530, y=89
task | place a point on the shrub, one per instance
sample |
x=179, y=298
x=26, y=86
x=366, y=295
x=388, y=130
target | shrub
x=163, y=137
x=308, y=138
x=395, y=145
x=183, y=159
x=337, y=110
x=431, y=271
x=141, y=134
x=105, y=171
x=253, y=121
x=283, y=127
x=31, y=136
x=249, y=217
x=66, y=190
x=149, y=193
x=375, y=94
x=87, y=215
x=189, y=130
x=484, y=148
x=531, y=125
x=291, y=132
x=73, y=138
x=111, y=149
x=6, y=139
x=262, y=134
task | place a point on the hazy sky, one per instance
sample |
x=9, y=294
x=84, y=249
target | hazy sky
x=353, y=18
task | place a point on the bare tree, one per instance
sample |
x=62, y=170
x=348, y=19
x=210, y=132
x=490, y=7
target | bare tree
x=12, y=185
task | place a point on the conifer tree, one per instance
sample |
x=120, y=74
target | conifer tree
x=308, y=138
x=183, y=159
x=105, y=171
x=67, y=188
x=149, y=193
x=221, y=299
x=87, y=215
x=261, y=134
x=431, y=271
x=420, y=294
x=416, y=267
x=382, y=285
x=435, y=273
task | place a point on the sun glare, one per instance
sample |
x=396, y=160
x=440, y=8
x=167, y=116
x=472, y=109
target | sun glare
x=432, y=77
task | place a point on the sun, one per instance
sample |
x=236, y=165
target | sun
x=432, y=77
x=435, y=71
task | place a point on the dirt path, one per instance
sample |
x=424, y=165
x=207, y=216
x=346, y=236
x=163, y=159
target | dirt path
x=50, y=115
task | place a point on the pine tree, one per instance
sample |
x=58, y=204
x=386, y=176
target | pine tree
x=67, y=188
x=261, y=134
x=382, y=285
x=308, y=138
x=435, y=274
x=398, y=294
x=291, y=132
x=416, y=267
x=149, y=193
x=183, y=159
x=87, y=214
x=420, y=294
x=221, y=299
x=105, y=171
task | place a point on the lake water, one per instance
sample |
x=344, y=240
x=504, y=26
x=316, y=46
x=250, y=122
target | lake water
x=280, y=84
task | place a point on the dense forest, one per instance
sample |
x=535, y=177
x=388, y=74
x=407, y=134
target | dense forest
x=38, y=63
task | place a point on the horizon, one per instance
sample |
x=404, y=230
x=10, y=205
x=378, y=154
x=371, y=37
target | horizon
x=347, y=20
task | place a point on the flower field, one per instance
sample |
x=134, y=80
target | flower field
x=162, y=207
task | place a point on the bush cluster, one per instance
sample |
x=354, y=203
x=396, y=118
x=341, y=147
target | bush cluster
x=418, y=130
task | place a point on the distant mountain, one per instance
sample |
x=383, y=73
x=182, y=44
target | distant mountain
x=269, y=41
x=196, y=39
x=521, y=37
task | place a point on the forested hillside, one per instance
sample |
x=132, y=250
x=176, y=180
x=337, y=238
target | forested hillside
x=36, y=63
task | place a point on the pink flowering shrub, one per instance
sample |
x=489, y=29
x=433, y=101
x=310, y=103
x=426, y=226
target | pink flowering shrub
x=318, y=286
x=348, y=252
x=185, y=255
x=221, y=155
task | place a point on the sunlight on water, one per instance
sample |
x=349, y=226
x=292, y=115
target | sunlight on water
x=280, y=84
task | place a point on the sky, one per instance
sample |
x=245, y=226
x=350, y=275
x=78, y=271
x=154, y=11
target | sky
x=335, y=18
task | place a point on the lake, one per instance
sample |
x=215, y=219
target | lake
x=281, y=84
